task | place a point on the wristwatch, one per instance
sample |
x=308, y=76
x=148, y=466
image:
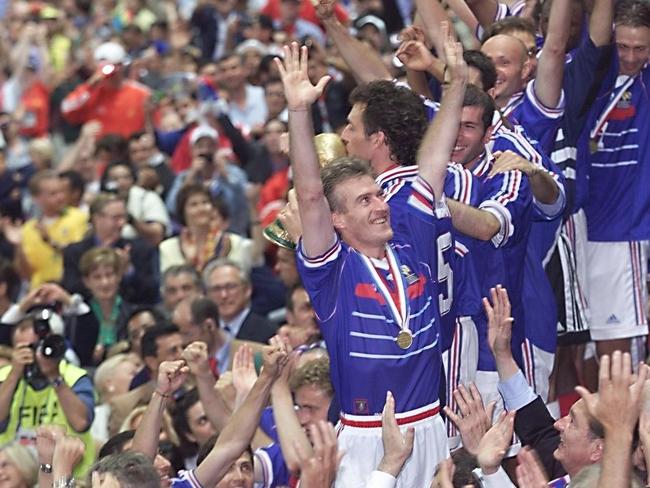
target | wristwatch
x=65, y=482
x=56, y=382
x=46, y=468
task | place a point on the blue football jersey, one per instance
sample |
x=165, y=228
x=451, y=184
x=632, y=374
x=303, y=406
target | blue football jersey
x=360, y=325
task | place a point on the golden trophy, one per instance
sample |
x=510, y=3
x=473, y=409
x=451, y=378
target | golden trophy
x=329, y=147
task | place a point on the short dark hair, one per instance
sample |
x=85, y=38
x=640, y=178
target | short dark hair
x=158, y=317
x=114, y=144
x=114, y=164
x=101, y=201
x=149, y=345
x=131, y=469
x=181, y=425
x=115, y=444
x=509, y=25
x=179, y=269
x=478, y=60
x=632, y=13
x=288, y=301
x=397, y=112
x=203, y=308
x=9, y=276
x=185, y=194
x=338, y=171
x=475, y=97
x=75, y=179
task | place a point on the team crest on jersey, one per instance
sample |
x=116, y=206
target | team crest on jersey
x=361, y=406
x=625, y=101
x=409, y=275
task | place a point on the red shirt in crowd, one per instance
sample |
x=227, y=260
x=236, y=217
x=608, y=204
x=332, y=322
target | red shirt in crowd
x=307, y=11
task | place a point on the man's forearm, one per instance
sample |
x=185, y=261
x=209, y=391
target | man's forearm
x=215, y=407
x=152, y=232
x=617, y=459
x=544, y=187
x=365, y=63
x=146, y=436
x=237, y=434
x=473, y=222
x=288, y=427
x=73, y=407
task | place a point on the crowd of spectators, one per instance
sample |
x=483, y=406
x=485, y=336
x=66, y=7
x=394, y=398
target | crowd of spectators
x=173, y=311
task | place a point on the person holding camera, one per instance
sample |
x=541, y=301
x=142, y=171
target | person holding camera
x=40, y=387
x=211, y=168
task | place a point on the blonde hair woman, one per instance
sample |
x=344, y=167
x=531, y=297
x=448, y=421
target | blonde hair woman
x=18, y=467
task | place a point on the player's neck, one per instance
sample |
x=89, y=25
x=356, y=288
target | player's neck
x=376, y=252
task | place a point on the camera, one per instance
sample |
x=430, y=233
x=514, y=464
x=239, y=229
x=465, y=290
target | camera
x=51, y=346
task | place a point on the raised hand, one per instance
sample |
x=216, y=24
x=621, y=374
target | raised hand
x=46, y=437
x=530, y=473
x=456, y=65
x=298, y=90
x=196, y=357
x=243, y=372
x=398, y=445
x=68, y=451
x=324, y=8
x=171, y=375
x=499, y=321
x=510, y=161
x=617, y=405
x=319, y=469
x=473, y=419
x=495, y=442
x=275, y=357
x=415, y=55
x=444, y=474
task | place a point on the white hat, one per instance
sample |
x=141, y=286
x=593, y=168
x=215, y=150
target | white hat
x=111, y=52
x=203, y=131
x=254, y=45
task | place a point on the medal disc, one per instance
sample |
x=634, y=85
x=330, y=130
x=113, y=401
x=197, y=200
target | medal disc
x=404, y=339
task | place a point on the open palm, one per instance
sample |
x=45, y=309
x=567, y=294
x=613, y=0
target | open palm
x=298, y=90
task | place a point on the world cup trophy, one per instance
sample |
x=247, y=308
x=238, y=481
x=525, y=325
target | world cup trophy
x=329, y=147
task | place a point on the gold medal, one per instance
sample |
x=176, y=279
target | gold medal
x=404, y=339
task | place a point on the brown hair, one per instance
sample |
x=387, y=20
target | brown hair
x=96, y=257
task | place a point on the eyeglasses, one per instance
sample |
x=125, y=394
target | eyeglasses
x=228, y=288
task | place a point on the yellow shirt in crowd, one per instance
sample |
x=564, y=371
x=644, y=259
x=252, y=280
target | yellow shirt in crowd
x=45, y=261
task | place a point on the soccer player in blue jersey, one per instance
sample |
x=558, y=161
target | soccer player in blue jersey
x=373, y=294
x=615, y=153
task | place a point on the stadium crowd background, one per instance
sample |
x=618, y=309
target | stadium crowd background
x=145, y=152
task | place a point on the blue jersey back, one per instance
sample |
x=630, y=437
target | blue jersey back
x=359, y=327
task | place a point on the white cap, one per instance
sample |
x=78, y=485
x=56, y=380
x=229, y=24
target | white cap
x=203, y=131
x=252, y=44
x=110, y=52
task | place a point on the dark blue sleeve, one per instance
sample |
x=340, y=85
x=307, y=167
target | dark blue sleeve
x=167, y=141
x=83, y=388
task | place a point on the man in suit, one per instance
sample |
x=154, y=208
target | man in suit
x=139, y=273
x=564, y=446
x=197, y=318
x=229, y=286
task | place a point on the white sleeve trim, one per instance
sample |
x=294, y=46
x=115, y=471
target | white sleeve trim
x=549, y=112
x=507, y=229
x=379, y=479
x=497, y=480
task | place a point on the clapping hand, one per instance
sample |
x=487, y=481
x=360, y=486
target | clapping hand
x=473, y=419
x=398, y=445
x=495, y=442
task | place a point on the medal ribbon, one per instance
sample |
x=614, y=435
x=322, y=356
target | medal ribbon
x=400, y=309
x=602, y=120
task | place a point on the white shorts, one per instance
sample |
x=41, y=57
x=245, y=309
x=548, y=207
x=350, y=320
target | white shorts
x=538, y=366
x=460, y=363
x=617, y=291
x=364, y=449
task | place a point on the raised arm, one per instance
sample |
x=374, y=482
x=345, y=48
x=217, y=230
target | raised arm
x=550, y=68
x=239, y=431
x=440, y=138
x=364, y=62
x=601, y=21
x=318, y=230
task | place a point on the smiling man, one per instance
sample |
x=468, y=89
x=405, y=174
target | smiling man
x=614, y=152
x=371, y=289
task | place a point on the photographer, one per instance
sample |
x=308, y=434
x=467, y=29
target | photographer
x=39, y=387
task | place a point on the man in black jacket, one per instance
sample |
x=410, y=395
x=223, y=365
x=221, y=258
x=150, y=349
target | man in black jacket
x=140, y=273
x=229, y=286
x=564, y=446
